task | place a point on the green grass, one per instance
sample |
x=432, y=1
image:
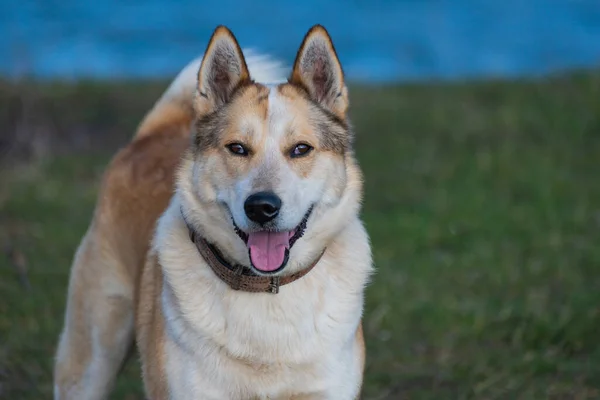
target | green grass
x=483, y=204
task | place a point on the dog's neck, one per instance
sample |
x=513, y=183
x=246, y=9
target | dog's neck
x=240, y=277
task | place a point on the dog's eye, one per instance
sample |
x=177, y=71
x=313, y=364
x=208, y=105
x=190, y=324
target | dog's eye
x=237, y=149
x=300, y=150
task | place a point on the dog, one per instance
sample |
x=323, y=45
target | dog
x=226, y=242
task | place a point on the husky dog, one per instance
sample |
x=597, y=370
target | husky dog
x=234, y=257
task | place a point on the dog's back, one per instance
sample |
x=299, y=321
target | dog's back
x=103, y=287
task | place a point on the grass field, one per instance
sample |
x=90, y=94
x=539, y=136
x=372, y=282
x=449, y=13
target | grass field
x=482, y=202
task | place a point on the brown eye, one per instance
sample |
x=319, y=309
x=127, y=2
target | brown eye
x=300, y=150
x=237, y=149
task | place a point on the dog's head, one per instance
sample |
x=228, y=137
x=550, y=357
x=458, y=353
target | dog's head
x=271, y=165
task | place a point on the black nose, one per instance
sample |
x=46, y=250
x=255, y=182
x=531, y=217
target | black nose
x=262, y=207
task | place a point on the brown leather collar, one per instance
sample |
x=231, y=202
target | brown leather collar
x=240, y=277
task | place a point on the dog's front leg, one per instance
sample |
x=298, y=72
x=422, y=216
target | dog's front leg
x=98, y=329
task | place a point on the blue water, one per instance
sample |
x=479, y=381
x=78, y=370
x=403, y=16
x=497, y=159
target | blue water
x=376, y=40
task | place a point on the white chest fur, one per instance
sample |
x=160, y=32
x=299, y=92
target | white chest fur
x=226, y=344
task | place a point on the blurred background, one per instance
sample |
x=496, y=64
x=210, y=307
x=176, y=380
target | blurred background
x=377, y=41
x=478, y=128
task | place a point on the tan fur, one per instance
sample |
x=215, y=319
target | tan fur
x=164, y=117
x=251, y=105
x=124, y=281
x=136, y=188
x=151, y=330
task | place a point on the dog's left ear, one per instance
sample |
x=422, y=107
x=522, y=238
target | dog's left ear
x=318, y=70
x=222, y=71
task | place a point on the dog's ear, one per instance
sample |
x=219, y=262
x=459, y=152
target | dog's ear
x=317, y=69
x=222, y=71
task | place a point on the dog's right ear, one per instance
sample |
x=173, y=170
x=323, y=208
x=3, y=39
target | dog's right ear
x=222, y=71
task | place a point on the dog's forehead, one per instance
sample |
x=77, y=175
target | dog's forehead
x=276, y=102
x=279, y=113
x=274, y=106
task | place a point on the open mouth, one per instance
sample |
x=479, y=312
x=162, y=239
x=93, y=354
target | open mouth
x=269, y=250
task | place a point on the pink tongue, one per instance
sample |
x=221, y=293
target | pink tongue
x=267, y=249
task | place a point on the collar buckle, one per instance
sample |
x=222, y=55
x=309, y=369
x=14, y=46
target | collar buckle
x=274, y=285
